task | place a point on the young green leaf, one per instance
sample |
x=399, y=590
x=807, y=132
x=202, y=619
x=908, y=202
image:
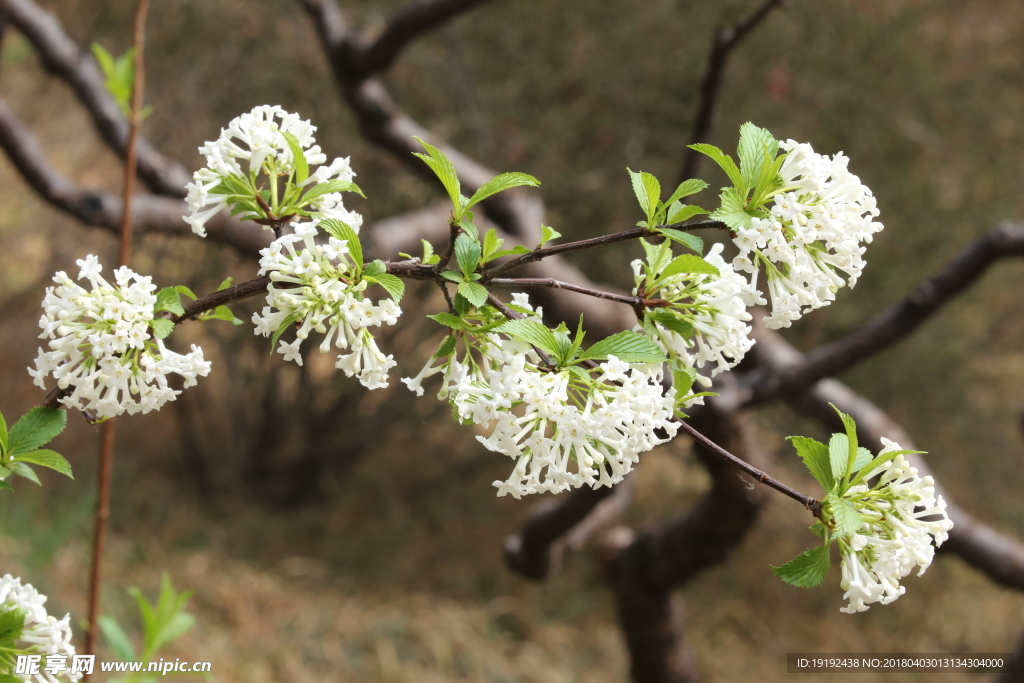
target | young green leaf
x=462, y=304
x=337, y=185
x=182, y=289
x=116, y=638
x=679, y=212
x=3, y=434
x=880, y=460
x=23, y=470
x=806, y=570
x=288, y=322
x=628, y=346
x=222, y=313
x=732, y=212
x=469, y=227
x=683, y=379
x=375, y=268
x=47, y=458
x=12, y=622
x=848, y=520
x=491, y=244
x=671, y=322
x=684, y=238
x=168, y=299
x=723, y=160
x=445, y=172
x=467, y=254
x=531, y=332
x=474, y=293
x=839, y=454
x=547, y=234
x=688, y=263
x=449, y=320
x=429, y=257
x=500, y=183
x=162, y=327
x=225, y=283
x=514, y=251
x=816, y=457
x=756, y=149
x=685, y=189
x=648, y=192
x=36, y=428
x=453, y=275
x=447, y=346
x=863, y=458
x=394, y=285
x=344, y=232
x=298, y=157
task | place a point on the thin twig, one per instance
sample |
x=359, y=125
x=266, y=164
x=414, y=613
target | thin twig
x=636, y=302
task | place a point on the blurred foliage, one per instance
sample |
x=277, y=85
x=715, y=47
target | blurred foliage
x=394, y=573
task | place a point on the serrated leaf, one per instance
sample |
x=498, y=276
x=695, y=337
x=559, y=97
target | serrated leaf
x=298, y=157
x=839, y=454
x=816, y=457
x=679, y=212
x=547, y=234
x=732, y=211
x=337, y=185
x=168, y=299
x=671, y=322
x=688, y=263
x=467, y=254
x=12, y=622
x=577, y=340
x=848, y=520
x=23, y=470
x=757, y=148
x=851, y=435
x=3, y=434
x=445, y=172
x=36, y=428
x=225, y=283
x=393, y=284
x=491, y=244
x=453, y=275
x=447, y=346
x=517, y=250
x=723, y=160
x=462, y=304
x=474, y=293
x=162, y=327
x=806, y=570
x=683, y=379
x=658, y=255
x=344, y=232
x=819, y=529
x=449, y=320
x=863, y=458
x=375, y=268
x=500, y=183
x=685, y=189
x=222, y=313
x=648, y=192
x=877, y=462
x=684, y=238
x=428, y=253
x=117, y=639
x=531, y=332
x=182, y=289
x=469, y=227
x=47, y=458
x=628, y=346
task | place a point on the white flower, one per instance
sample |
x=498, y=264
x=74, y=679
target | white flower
x=904, y=520
x=41, y=634
x=813, y=230
x=253, y=144
x=311, y=286
x=102, y=345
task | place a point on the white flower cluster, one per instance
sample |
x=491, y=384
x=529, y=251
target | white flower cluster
x=902, y=514
x=42, y=634
x=315, y=291
x=257, y=138
x=713, y=306
x=102, y=344
x=563, y=429
x=815, y=228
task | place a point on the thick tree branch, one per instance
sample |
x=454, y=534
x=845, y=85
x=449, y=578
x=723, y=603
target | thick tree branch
x=724, y=42
x=63, y=57
x=885, y=329
x=408, y=24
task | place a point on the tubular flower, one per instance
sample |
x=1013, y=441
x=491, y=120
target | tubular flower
x=904, y=520
x=815, y=228
x=41, y=633
x=102, y=344
x=312, y=286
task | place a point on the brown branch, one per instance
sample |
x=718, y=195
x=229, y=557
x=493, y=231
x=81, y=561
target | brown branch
x=724, y=42
x=635, y=302
x=63, y=57
x=898, y=321
x=404, y=27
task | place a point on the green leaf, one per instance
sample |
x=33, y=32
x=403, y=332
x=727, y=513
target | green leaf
x=162, y=327
x=851, y=436
x=298, y=157
x=118, y=75
x=723, y=160
x=12, y=622
x=491, y=244
x=344, y=232
x=449, y=320
x=182, y=289
x=648, y=192
x=225, y=283
x=671, y=322
x=688, y=263
x=37, y=427
x=453, y=275
x=547, y=234
x=393, y=284
x=732, y=212
x=116, y=638
x=685, y=189
x=337, y=185
x=628, y=346
x=679, y=212
x=658, y=255
x=469, y=227
x=179, y=624
x=168, y=299
x=514, y=251
x=462, y=304
x=474, y=293
x=863, y=458
x=47, y=458
x=429, y=257
x=445, y=172
x=3, y=434
x=500, y=183
x=880, y=460
x=816, y=457
x=839, y=454
x=288, y=322
x=756, y=149
x=577, y=340
x=531, y=332
x=467, y=253
x=23, y=470
x=819, y=530
x=807, y=570
x=148, y=616
x=848, y=520
x=4, y=486
x=447, y=346
x=684, y=238
x=683, y=379
x=222, y=313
